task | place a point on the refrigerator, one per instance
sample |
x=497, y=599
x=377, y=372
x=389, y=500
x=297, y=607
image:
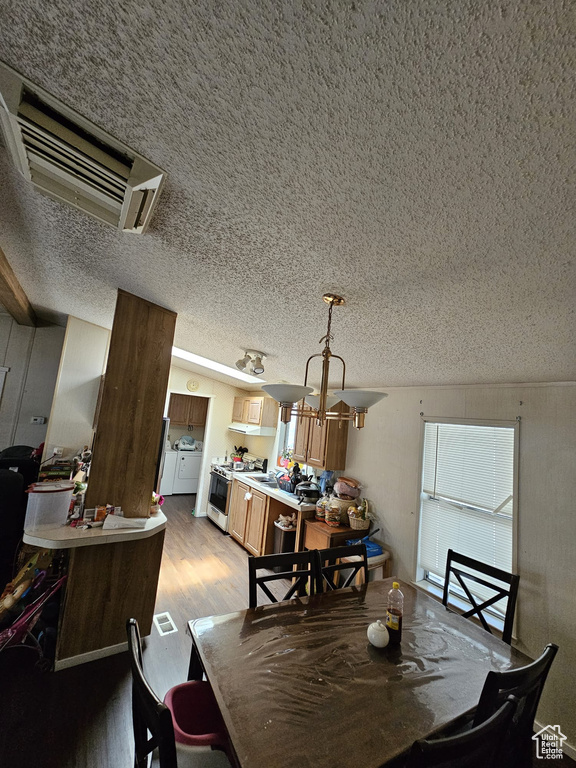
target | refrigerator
x=161, y=454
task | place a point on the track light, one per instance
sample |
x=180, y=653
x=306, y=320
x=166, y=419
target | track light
x=257, y=367
x=241, y=364
x=253, y=357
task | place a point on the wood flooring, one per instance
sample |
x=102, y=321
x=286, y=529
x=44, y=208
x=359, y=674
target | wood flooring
x=80, y=717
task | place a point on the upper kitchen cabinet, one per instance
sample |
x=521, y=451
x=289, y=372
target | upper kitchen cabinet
x=322, y=447
x=256, y=409
x=187, y=410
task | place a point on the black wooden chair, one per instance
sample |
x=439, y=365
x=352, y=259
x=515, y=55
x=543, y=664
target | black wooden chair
x=476, y=748
x=330, y=563
x=526, y=685
x=299, y=567
x=189, y=720
x=454, y=560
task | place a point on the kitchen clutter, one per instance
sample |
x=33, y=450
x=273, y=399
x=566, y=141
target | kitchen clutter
x=343, y=506
x=287, y=522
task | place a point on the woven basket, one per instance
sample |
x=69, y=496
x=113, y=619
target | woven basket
x=358, y=524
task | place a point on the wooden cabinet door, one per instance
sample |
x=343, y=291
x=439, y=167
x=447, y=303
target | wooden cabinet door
x=301, y=440
x=237, y=409
x=255, y=526
x=254, y=410
x=178, y=409
x=238, y=511
x=317, y=444
x=336, y=441
x=198, y=410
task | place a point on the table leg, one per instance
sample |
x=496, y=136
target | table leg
x=195, y=668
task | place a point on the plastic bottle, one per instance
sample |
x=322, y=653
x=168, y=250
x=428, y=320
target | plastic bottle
x=394, y=613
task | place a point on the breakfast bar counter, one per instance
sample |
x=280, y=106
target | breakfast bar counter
x=112, y=575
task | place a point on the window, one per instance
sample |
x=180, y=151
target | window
x=467, y=499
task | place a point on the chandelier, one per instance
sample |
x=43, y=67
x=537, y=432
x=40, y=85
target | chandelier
x=321, y=404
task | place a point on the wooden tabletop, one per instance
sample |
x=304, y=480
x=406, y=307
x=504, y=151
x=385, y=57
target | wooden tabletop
x=299, y=685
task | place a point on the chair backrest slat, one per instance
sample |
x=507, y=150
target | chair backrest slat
x=476, y=748
x=298, y=567
x=149, y=714
x=526, y=684
x=454, y=560
x=330, y=564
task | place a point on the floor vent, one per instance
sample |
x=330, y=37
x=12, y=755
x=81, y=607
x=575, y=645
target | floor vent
x=164, y=624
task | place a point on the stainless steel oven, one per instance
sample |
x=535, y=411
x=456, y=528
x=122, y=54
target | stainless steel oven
x=218, y=497
x=220, y=485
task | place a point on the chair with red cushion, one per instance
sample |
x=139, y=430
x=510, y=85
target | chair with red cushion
x=187, y=729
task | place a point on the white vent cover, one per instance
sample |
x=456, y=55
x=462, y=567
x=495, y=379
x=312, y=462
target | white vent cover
x=70, y=159
x=165, y=624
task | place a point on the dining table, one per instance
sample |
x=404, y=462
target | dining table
x=298, y=683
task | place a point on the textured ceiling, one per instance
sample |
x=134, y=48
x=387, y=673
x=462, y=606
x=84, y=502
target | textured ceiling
x=417, y=157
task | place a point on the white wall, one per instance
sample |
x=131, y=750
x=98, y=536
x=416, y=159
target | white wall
x=82, y=364
x=32, y=354
x=385, y=455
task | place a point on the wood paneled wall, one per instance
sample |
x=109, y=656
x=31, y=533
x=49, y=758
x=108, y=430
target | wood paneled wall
x=130, y=422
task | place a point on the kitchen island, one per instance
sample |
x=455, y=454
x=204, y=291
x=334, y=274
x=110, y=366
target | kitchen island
x=112, y=575
x=254, y=506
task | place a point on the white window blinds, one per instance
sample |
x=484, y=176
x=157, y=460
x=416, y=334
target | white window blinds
x=467, y=494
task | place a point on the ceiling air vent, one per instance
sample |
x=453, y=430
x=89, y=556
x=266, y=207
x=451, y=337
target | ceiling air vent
x=70, y=159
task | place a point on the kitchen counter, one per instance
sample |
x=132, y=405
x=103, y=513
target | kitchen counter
x=112, y=574
x=276, y=493
x=65, y=537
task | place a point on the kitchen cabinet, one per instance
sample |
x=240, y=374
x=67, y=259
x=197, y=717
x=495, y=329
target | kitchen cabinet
x=238, y=510
x=255, y=409
x=187, y=410
x=255, y=523
x=248, y=516
x=322, y=447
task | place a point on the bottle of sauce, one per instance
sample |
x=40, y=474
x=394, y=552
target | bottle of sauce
x=394, y=613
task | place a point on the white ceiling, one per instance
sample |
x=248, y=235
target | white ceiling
x=416, y=157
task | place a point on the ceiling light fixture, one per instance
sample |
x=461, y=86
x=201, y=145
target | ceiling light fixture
x=253, y=358
x=214, y=366
x=241, y=364
x=359, y=400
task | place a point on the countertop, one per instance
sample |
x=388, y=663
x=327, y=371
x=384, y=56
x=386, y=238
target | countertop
x=65, y=537
x=286, y=498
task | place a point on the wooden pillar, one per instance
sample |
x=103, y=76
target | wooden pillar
x=130, y=421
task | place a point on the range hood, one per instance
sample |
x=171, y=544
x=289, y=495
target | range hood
x=252, y=429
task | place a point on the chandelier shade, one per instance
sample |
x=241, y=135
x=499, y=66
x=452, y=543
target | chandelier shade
x=320, y=405
x=359, y=398
x=287, y=393
x=314, y=401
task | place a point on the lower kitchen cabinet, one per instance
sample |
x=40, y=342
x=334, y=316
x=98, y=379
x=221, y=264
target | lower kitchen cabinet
x=238, y=510
x=248, y=517
x=255, y=523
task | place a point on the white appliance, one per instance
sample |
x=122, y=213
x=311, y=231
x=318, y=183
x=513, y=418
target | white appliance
x=187, y=472
x=167, y=481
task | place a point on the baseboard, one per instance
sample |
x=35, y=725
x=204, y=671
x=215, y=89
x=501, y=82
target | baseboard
x=568, y=749
x=83, y=658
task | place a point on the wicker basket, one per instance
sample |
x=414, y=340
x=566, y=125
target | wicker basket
x=358, y=524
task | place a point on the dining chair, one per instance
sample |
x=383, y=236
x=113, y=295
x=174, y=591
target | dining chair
x=299, y=567
x=186, y=729
x=476, y=748
x=330, y=565
x=453, y=562
x=525, y=684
